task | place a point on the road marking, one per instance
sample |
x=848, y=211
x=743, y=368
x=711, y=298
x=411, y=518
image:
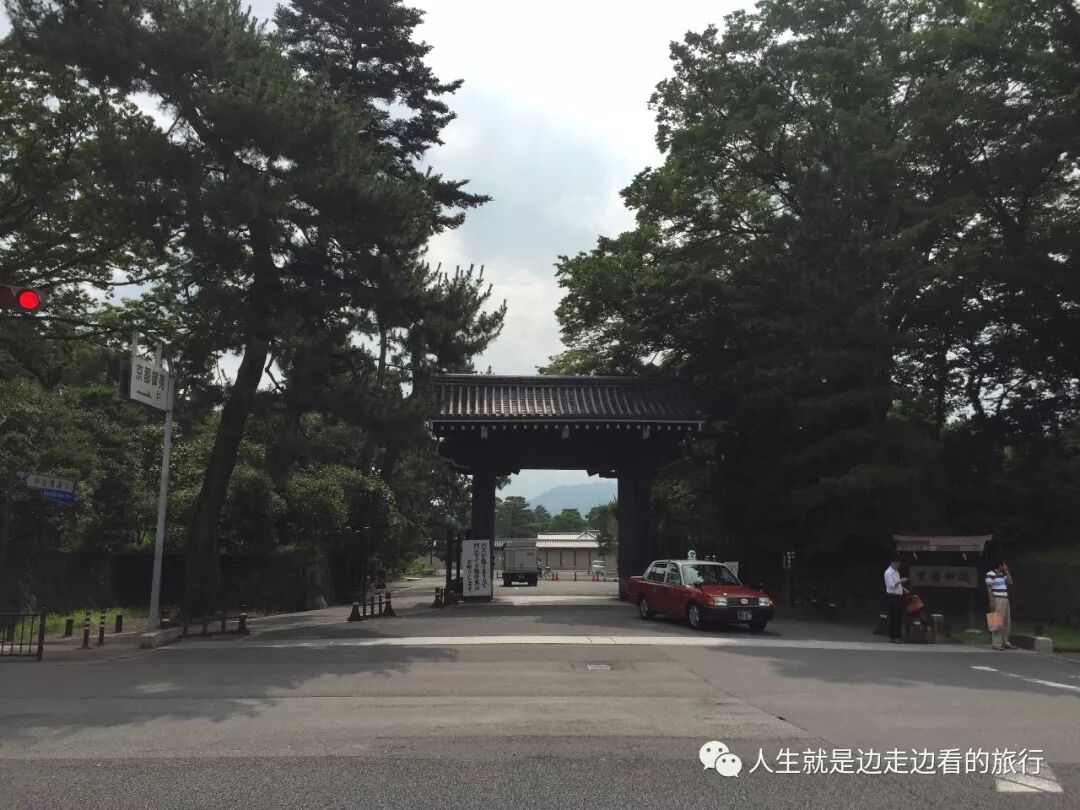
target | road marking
x=525, y=601
x=1041, y=682
x=601, y=640
x=1043, y=782
x=985, y=669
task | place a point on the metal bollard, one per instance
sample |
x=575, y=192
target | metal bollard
x=355, y=615
x=223, y=617
x=937, y=628
x=86, y=631
x=438, y=603
x=69, y=627
x=119, y=627
x=389, y=611
x=380, y=604
x=205, y=626
x=101, y=629
x=372, y=614
x=241, y=627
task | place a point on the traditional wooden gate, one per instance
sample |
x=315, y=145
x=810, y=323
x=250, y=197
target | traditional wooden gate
x=627, y=428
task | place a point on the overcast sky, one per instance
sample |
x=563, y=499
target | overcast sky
x=552, y=122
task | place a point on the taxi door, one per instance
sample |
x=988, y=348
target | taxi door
x=654, y=587
x=676, y=595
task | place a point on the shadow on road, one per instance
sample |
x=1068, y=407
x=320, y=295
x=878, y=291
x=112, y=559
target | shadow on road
x=185, y=683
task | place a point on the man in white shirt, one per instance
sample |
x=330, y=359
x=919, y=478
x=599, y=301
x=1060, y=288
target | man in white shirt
x=894, y=595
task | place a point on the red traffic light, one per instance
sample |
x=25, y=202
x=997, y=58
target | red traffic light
x=28, y=299
x=21, y=298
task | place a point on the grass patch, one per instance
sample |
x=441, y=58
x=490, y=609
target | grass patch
x=134, y=619
x=1064, y=638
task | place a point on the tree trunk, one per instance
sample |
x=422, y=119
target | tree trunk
x=203, y=568
x=203, y=571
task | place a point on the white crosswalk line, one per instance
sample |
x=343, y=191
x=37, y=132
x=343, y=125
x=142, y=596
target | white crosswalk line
x=985, y=669
x=652, y=641
x=1041, y=682
x=1043, y=782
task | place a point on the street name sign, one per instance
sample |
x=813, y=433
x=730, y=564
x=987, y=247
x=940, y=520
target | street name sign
x=54, y=488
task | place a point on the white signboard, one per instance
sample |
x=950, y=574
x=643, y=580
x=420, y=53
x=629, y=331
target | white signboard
x=149, y=383
x=39, y=481
x=476, y=565
x=944, y=576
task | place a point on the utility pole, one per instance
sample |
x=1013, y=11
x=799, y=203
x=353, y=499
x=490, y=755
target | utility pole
x=154, y=618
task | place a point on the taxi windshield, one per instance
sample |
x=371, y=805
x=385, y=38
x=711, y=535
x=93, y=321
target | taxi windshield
x=708, y=574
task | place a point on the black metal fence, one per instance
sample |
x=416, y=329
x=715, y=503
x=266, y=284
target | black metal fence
x=216, y=624
x=22, y=635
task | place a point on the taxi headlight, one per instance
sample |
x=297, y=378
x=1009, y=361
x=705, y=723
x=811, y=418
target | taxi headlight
x=719, y=601
x=765, y=601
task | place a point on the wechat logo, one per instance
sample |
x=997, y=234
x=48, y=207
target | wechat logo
x=715, y=755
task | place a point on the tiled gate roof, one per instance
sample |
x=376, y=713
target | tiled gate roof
x=473, y=397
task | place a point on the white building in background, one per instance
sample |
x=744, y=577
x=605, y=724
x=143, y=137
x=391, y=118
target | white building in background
x=566, y=551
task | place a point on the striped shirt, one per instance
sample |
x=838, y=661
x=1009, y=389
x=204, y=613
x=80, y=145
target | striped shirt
x=995, y=581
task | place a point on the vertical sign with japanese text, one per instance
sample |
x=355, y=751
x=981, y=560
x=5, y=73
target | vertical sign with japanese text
x=476, y=565
x=149, y=382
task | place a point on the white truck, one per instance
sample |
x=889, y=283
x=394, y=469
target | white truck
x=520, y=562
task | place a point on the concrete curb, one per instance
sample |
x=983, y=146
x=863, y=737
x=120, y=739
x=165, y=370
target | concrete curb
x=160, y=638
x=1040, y=644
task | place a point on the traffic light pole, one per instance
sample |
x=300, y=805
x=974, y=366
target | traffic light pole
x=154, y=619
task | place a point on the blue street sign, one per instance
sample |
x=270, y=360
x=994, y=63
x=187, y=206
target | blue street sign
x=58, y=496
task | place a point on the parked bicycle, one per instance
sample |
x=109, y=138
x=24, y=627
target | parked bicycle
x=545, y=572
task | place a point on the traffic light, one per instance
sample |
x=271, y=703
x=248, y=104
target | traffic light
x=22, y=299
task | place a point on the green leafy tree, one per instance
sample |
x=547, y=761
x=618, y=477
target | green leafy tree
x=605, y=519
x=840, y=251
x=293, y=198
x=543, y=519
x=513, y=518
x=568, y=520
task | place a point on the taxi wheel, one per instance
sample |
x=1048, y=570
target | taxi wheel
x=757, y=627
x=644, y=610
x=694, y=616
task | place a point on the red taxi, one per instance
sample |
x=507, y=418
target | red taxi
x=699, y=591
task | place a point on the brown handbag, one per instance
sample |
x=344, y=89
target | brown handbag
x=995, y=622
x=914, y=603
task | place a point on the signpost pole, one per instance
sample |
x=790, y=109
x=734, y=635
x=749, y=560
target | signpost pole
x=154, y=618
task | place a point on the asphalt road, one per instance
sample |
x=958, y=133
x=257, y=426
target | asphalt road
x=560, y=697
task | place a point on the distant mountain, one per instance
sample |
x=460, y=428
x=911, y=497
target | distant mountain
x=582, y=497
